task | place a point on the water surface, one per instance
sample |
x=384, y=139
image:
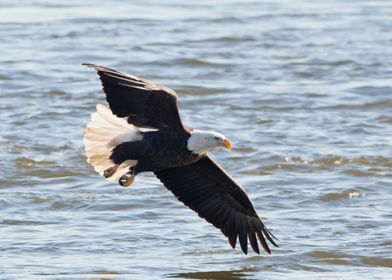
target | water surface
x=302, y=88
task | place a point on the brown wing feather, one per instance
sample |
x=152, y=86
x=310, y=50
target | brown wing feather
x=143, y=102
x=207, y=189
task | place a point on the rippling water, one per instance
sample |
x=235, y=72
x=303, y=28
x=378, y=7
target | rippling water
x=302, y=88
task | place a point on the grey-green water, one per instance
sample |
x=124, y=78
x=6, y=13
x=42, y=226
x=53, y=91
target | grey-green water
x=302, y=88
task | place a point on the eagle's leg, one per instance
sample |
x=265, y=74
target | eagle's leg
x=127, y=179
x=110, y=171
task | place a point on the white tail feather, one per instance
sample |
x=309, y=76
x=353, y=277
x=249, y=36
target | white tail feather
x=103, y=133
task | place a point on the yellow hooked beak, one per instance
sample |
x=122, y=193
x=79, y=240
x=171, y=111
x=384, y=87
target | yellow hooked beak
x=227, y=144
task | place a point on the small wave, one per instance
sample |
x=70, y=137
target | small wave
x=228, y=19
x=71, y=34
x=375, y=261
x=27, y=162
x=336, y=160
x=205, y=252
x=234, y=274
x=43, y=169
x=384, y=119
x=346, y=194
x=320, y=62
x=235, y=39
x=188, y=62
x=56, y=92
x=359, y=173
x=15, y=222
x=267, y=170
x=197, y=62
x=52, y=174
x=359, y=166
x=304, y=74
x=372, y=91
x=4, y=78
x=245, y=149
x=265, y=121
x=224, y=39
x=330, y=257
x=199, y=91
x=380, y=104
x=95, y=274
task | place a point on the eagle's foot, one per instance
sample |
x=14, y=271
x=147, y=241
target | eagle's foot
x=110, y=171
x=127, y=179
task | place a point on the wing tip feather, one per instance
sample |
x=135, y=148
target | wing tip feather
x=232, y=240
x=234, y=222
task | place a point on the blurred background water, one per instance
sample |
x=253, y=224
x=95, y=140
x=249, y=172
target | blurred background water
x=302, y=88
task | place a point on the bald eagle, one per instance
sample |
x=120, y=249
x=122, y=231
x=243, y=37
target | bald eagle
x=119, y=147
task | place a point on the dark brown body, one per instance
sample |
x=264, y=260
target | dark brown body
x=157, y=150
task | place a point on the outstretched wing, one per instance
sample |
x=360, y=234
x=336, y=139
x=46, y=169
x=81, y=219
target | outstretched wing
x=207, y=189
x=144, y=103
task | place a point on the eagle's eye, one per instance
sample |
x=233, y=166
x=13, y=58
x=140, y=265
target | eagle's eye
x=216, y=138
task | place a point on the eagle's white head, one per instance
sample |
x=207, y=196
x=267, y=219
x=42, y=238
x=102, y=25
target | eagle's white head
x=200, y=142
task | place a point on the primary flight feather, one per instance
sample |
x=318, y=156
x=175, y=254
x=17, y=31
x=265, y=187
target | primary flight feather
x=178, y=155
